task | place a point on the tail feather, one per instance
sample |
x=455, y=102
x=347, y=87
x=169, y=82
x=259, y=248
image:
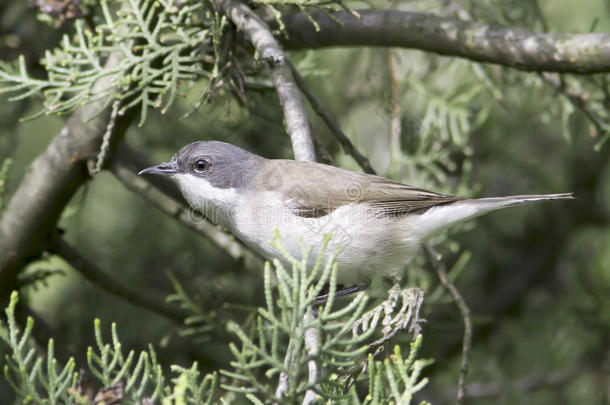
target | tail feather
x=442, y=216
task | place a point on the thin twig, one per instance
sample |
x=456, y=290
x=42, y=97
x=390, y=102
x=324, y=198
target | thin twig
x=50, y=182
x=191, y=219
x=395, y=112
x=107, y=283
x=282, y=386
x=435, y=259
x=325, y=156
x=101, y=157
x=541, y=16
x=295, y=114
x=577, y=99
x=333, y=125
x=282, y=382
x=312, y=344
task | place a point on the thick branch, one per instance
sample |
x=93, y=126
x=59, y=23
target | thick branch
x=112, y=286
x=191, y=219
x=513, y=47
x=49, y=183
x=295, y=115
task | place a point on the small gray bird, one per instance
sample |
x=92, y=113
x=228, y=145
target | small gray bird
x=378, y=223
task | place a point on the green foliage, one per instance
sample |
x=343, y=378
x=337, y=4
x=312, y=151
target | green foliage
x=290, y=315
x=36, y=379
x=395, y=380
x=518, y=149
x=305, y=346
x=340, y=342
x=443, y=129
x=199, y=323
x=131, y=379
x=160, y=44
x=305, y=6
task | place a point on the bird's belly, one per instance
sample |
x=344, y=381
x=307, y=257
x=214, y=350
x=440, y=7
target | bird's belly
x=366, y=246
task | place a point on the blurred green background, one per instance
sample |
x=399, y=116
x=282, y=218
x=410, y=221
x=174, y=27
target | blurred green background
x=538, y=277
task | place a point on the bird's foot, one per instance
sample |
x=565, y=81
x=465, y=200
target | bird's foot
x=321, y=299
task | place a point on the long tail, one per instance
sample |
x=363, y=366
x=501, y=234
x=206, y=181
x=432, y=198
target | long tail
x=442, y=216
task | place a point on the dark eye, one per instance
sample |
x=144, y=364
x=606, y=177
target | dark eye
x=201, y=166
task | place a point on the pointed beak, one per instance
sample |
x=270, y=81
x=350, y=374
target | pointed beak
x=164, y=169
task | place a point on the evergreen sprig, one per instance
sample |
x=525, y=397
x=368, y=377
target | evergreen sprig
x=275, y=348
x=161, y=44
x=306, y=6
x=35, y=378
x=395, y=379
x=199, y=322
x=450, y=116
x=127, y=379
x=312, y=349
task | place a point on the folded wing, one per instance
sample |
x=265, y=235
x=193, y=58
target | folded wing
x=324, y=189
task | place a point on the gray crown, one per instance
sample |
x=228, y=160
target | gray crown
x=229, y=165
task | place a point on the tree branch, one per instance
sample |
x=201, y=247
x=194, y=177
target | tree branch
x=112, y=286
x=333, y=125
x=50, y=182
x=312, y=344
x=435, y=259
x=396, y=111
x=578, y=100
x=512, y=47
x=191, y=219
x=295, y=115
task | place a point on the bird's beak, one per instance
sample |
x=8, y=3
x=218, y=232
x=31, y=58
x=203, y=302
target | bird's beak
x=164, y=168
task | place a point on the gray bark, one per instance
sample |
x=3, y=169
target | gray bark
x=29, y=219
x=295, y=114
x=513, y=47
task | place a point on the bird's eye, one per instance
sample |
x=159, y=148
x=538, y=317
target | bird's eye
x=201, y=166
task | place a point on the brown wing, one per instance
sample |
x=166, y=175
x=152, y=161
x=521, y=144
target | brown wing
x=316, y=190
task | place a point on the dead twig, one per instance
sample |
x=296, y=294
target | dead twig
x=331, y=123
x=107, y=283
x=395, y=112
x=435, y=259
x=295, y=114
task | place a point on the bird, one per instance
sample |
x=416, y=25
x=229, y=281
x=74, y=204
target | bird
x=377, y=225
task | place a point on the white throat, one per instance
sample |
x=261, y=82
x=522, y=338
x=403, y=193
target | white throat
x=217, y=204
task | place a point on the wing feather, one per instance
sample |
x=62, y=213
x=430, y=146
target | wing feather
x=316, y=190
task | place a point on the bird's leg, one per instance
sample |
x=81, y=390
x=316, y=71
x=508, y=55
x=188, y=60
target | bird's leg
x=321, y=299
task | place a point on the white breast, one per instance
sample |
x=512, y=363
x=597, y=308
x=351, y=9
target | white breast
x=369, y=245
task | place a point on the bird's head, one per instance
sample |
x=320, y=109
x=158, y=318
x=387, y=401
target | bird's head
x=210, y=174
